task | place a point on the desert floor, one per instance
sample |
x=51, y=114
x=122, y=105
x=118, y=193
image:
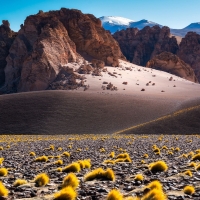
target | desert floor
x=178, y=152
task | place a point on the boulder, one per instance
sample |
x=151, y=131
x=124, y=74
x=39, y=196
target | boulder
x=172, y=64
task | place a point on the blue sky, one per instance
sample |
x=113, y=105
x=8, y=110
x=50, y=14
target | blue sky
x=172, y=13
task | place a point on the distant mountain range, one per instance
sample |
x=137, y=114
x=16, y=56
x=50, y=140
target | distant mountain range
x=113, y=24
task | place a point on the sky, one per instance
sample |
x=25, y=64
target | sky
x=172, y=13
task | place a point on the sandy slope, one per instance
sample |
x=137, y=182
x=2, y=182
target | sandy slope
x=96, y=110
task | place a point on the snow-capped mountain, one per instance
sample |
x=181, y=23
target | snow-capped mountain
x=113, y=24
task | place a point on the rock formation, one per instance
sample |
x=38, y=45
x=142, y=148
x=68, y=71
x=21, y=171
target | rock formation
x=140, y=46
x=48, y=41
x=6, y=39
x=172, y=64
x=189, y=51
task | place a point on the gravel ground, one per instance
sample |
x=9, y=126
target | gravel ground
x=21, y=165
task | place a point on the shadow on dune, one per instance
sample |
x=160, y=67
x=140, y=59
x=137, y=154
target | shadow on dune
x=68, y=112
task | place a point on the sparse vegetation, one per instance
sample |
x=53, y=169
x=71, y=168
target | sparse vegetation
x=73, y=167
x=41, y=180
x=19, y=182
x=159, y=166
x=190, y=190
x=3, y=190
x=66, y=193
x=70, y=180
x=3, y=172
x=114, y=195
x=100, y=174
x=41, y=159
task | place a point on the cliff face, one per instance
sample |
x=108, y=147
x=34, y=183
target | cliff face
x=48, y=41
x=90, y=37
x=172, y=64
x=189, y=51
x=39, y=51
x=140, y=46
x=7, y=37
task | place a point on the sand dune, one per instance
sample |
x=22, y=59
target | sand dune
x=96, y=110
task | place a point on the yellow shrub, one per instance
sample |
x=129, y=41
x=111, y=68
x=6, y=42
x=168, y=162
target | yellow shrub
x=155, y=194
x=142, y=161
x=3, y=172
x=73, y=167
x=197, y=167
x=122, y=155
x=3, y=191
x=41, y=180
x=114, y=195
x=19, y=182
x=59, y=169
x=139, y=177
x=109, y=162
x=32, y=153
x=111, y=155
x=87, y=163
x=177, y=149
x=188, y=173
x=1, y=160
x=192, y=164
x=155, y=185
x=189, y=190
x=66, y=193
x=99, y=173
x=1, y=148
x=158, y=166
x=67, y=154
x=59, y=149
x=164, y=147
x=70, y=180
x=196, y=157
x=51, y=147
x=58, y=162
x=41, y=159
x=146, y=155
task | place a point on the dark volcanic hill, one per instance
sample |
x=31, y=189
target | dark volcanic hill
x=48, y=41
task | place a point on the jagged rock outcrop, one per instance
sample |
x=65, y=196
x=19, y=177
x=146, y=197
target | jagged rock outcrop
x=37, y=55
x=90, y=37
x=172, y=64
x=140, y=46
x=189, y=51
x=48, y=41
x=7, y=37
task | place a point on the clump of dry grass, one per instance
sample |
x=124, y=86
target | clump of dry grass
x=1, y=160
x=188, y=173
x=99, y=173
x=190, y=190
x=3, y=172
x=3, y=190
x=114, y=195
x=58, y=162
x=41, y=180
x=112, y=154
x=109, y=162
x=32, y=153
x=1, y=148
x=155, y=194
x=159, y=166
x=123, y=157
x=59, y=169
x=19, y=182
x=41, y=159
x=73, y=167
x=70, y=180
x=66, y=193
x=139, y=177
x=84, y=163
x=145, y=155
x=155, y=185
x=67, y=154
x=196, y=157
x=192, y=164
x=59, y=148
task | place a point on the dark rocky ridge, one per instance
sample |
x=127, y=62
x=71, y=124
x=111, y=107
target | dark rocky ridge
x=141, y=46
